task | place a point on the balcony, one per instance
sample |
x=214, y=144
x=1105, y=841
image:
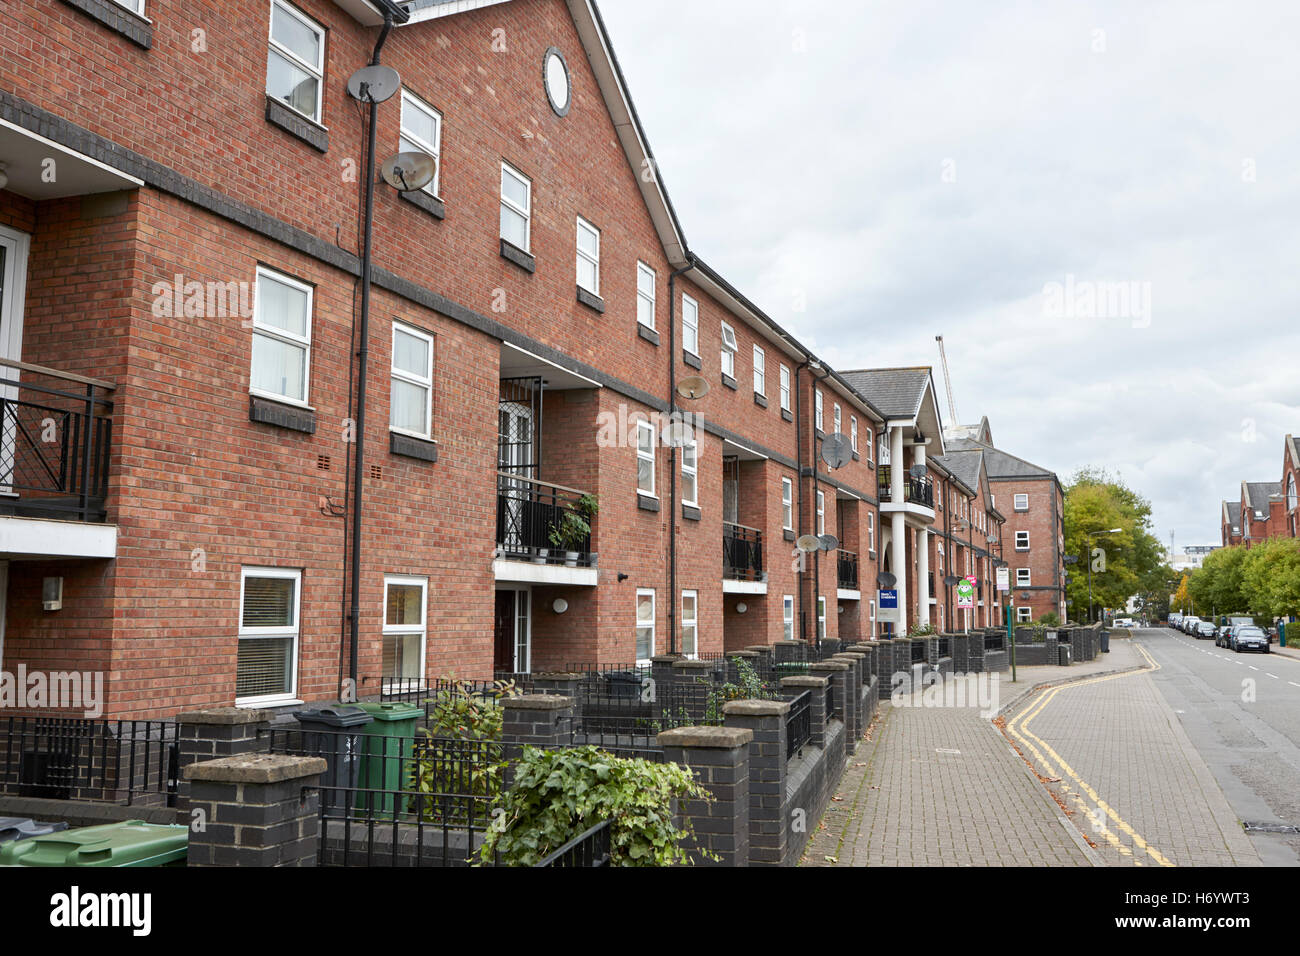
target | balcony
x=919, y=491
x=742, y=558
x=848, y=570
x=544, y=532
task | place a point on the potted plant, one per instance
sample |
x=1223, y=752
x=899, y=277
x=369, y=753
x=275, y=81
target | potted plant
x=572, y=530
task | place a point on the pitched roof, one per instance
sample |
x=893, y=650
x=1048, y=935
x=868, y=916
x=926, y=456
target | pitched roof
x=897, y=392
x=1259, y=493
x=964, y=466
x=1294, y=449
x=1233, y=509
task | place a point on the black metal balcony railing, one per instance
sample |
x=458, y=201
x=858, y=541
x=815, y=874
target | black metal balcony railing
x=742, y=552
x=55, y=436
x=918, y=491
x=528, y=511
x=848, y=565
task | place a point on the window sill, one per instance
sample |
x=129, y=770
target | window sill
x=591, y=300
x=137, y=29
x=788, y=534
x=649, y=334
x=787, y=415
x=523, y=260
x=728, y=381
x=760, y=400
x=258, y=703
x=408, y=446
x=267, y=411
x=856, y=456
x=690, y=512
x=692, y=360
x=297, y=125
x=647, y=502
x=434, y=206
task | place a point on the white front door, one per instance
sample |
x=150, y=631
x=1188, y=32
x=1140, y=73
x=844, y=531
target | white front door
x=13, y=288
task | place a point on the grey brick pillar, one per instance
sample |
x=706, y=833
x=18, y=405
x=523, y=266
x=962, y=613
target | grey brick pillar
x=817, y=709
x=255, y=810
x=857, y=690
x=218, y=732
x=767, y=775
x=837, y=674
x=562, y=684
x=661, y=667
x=687, y=693
x=538, y=720
x=719, y=759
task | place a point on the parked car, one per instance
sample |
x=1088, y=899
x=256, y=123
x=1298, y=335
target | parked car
x=1174, y=619
x=1189, y=623
x=1123, y=622
x=1205, y=630
x=1223, y=635
x=1250, y=638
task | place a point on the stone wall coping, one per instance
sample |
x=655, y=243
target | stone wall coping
x=558, y=675
x=693, y=665
x=225, y=716
x=756, y=708
x=256, y=768
x=537, y=702
x=745, y=654
x=665, y=658
x=760, y=648
x=709, y=738
x=804, y=680
x=828, y=665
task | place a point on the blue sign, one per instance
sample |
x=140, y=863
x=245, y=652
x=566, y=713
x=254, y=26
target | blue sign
x=889, y=600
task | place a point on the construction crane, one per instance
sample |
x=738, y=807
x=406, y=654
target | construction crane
x=947, y=381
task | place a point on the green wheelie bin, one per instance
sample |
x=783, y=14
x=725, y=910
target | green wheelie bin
x=387, y=749
x=132, y=843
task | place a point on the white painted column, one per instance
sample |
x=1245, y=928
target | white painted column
x=922, y=557
x=898, y=495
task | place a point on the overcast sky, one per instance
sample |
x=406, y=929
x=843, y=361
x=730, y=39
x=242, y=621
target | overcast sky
x=916, y=168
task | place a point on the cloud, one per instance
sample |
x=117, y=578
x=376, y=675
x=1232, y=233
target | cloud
x=916, y=168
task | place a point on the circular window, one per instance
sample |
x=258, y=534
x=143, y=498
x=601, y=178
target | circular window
x=555, y=73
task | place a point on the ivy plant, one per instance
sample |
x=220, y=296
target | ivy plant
x=558, y=794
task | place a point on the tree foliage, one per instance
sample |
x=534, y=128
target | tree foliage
x=1262, y=581
x=1127, y=563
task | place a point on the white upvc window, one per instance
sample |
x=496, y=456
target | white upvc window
x=853, y=432
x=938, y=553
x=645, y=295
x=588, y=257
x=645, y=458
x=690, y=625
x=645, y=624
x=1024, y=615
x=821, y=512
x=868, y=437
x=729, y=349
x=412, y=393
x=690, y=474
x=516, y=207
x=837, y=419
x=1021, y=503
x=1022, y=577
x=787, y=617
x=690, y=325
x=785, y=388
x=421, y=132
x=135, y=6
x=821, y=617
x=270, y=602
x=405, y=629
x=760, y=372
x=871, y=531
x=787, y=504
x=817, y=408
x=873, y=618
x=1022, y=540
x=295, y=68
x=281, y=337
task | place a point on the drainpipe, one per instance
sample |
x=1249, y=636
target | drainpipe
x=817, y=555
x=672, y=456
x=362, y=356
x=798, y=456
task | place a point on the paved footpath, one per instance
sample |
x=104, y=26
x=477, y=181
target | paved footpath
x=1115, y=781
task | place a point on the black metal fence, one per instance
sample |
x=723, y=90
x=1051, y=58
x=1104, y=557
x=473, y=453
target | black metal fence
x=742, y=552
x=132, y=762
x=798, y=724
x=589, y=849
x=848, y=570
x=529, y=512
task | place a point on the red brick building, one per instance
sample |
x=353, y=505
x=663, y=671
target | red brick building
x=181, y=239
x=1265, y=509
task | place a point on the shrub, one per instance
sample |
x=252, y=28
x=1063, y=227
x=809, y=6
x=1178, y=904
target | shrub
x=557, y=794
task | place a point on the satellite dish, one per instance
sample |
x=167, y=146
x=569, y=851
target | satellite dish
x=409, y=172
x=837, y=451
x=917, y=472
x=374, y=84
x=678, y=435
x=692, y=387
x=886, y=580
x=829, y=542
x=809, y=543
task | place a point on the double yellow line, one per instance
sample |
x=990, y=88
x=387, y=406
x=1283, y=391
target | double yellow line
x=1018, y=727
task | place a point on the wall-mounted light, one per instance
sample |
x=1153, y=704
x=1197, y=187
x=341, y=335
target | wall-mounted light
x=52, y=594
x=742, y=607
x=559, y=605
x=4, y=178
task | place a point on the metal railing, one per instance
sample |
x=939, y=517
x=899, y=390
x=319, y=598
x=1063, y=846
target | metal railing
x=848, y=568
x=72, y=758
x=742, y=552
x=918, y=491
x=798, y=724
x=589, y=849
x=54, y=443
x=529, y=511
